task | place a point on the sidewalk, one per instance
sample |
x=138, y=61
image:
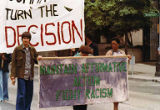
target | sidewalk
x=145, y=72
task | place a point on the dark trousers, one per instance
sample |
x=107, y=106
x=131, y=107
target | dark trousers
x=80, y=107
x=24, y=94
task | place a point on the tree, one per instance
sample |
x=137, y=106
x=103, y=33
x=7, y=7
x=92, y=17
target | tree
x=117, y=17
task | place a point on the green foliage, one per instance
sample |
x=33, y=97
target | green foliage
x=116, y=17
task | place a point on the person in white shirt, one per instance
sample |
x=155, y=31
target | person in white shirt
x=115, y=51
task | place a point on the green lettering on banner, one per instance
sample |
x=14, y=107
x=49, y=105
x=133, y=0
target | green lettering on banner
x=87, y=93
x=58, y=94
x=92, y=94
x=70, y=69
x=92, y=69
x=85, y=68
x=97, y=90
x=54, y=69
x=68, y=94
x=79, y=93
x=42, y=70
x=65, y=69
x=77, y=82
x=57, y=69
x=110, y=68
x=114, y=66
x=99, y=93
x=97, y=67
x=48, y=70
x=73, y=68
x=104, y=91
x=60, y=66
x=74, y=95
x=104, y=67
x=63, y=95
x=122, y=67
x=97, y=80
x=110, y=92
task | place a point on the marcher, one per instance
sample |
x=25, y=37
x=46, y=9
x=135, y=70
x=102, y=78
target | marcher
x=22, y=67
x=83, y=51
x=5, y=59
x=115, y=51
x=92, y=45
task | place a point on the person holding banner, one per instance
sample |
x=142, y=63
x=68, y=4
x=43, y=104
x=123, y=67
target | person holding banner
x=22, y=67
x=5, y=59
x=115, y=51
x=83, y=51
x=92, y=45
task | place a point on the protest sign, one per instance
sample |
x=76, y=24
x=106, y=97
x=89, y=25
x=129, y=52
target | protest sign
x=70, y=81
x=54, y=24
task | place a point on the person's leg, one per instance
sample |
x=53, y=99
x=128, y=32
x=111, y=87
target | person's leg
x=80, y=107
x=21, y=93
x=116, y=105
x=5, y=85
x=1, y=86
x=76, y=107
x=29, y=94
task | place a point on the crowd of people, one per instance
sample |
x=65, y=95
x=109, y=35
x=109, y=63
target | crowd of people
x=22, y=63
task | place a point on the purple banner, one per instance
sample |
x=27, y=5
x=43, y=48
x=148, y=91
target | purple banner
x=82, y=80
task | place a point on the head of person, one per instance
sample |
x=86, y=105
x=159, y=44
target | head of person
x=85, y=50
x=115, y=44
x=26, y=37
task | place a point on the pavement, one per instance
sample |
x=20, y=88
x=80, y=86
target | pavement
x=142, y=71
x=136, y=72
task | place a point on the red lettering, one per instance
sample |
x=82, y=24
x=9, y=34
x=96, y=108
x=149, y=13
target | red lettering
x=49, y=34
x=52, y=34
x=42, y=42
x=59, y=39
x=6, y=36
x=66, y=22
x=29, y=29
x=74, y=27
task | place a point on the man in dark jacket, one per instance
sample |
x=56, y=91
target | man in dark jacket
x=4, y=71
x=23, y=59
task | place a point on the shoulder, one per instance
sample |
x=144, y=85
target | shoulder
x=109, y=52
x=32, y=48
x=19, y=47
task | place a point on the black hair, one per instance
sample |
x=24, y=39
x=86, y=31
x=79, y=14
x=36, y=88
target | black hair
x=116, y=39
x=85, y=50
x=27, y=35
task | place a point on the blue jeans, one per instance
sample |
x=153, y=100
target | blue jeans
x=24, y=94
x=3, y=85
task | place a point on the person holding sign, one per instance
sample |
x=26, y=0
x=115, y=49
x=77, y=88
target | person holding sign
x=4, y=71
x=83, y=51
x=115, y=51
x=22, y=67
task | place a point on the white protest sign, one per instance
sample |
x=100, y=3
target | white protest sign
x=53, y=24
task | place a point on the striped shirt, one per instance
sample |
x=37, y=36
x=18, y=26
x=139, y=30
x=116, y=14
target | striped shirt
x=27, y=74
